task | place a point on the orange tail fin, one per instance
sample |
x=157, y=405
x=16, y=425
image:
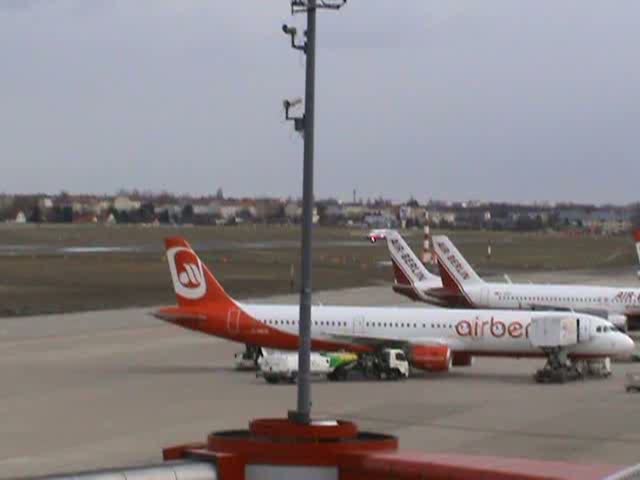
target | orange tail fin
x=193, y=283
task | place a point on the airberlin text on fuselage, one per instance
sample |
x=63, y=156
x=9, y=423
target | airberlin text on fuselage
x=494, y=328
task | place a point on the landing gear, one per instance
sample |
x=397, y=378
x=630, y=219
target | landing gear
x=248, y=360
x=559, y=368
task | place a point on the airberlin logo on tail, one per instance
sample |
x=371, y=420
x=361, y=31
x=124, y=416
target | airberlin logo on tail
x=453, y=260
x=187, y=273
x=407, y=259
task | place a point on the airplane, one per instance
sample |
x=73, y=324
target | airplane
x=376, y=234
x=434, y=339
x=462, y=287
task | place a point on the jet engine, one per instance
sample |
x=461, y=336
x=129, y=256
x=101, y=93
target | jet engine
x=461, y=359
x=434, y=358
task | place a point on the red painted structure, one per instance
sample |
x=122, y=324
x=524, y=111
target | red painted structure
x=361, y=455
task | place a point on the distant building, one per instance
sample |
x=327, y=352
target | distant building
x=439, y=217
x=45, y=203
x=125, y=204
x=381, y=221
x=269, y=209
x=293, y=211
x=20, y=217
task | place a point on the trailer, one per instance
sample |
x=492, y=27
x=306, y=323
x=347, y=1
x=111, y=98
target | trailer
x=278, y=366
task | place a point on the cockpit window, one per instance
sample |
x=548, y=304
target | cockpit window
x=599, y=329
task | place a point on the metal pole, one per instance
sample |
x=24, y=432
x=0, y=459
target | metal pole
x=303, y=413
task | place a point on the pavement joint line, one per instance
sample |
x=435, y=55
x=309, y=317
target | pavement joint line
x=491, y=431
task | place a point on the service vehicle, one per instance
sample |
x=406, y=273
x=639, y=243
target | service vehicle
x=632, y=382
x=280, y=366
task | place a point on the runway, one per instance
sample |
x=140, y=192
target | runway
x=112, y=388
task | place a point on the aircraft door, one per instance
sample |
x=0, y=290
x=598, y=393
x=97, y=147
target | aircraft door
x=484, y=297
x=584, y=329
x=233, y=321
x=358, y=325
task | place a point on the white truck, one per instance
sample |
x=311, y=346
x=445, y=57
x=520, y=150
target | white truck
x=276, y=366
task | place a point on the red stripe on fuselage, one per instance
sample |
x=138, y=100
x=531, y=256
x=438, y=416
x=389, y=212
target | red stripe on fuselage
x=236, y=325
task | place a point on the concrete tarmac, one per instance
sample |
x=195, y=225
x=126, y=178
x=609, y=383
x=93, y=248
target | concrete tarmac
x=113, y=388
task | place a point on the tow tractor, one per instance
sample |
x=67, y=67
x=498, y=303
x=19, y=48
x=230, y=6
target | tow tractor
x=554, y=335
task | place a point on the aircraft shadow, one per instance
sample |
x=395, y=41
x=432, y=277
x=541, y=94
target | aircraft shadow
x=180, y=369
x=475, y=377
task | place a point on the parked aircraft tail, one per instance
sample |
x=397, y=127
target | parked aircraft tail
x=455, y=271
x=193, y=283
x=407, y=268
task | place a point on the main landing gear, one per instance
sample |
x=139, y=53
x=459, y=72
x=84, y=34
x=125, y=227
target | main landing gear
x=248, y=360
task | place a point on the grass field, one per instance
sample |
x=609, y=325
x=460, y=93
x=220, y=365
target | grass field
x=249, y=260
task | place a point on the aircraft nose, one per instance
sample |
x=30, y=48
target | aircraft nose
x=628, y=344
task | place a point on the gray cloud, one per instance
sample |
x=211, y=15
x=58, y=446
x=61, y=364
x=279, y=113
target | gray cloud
x=503, y=100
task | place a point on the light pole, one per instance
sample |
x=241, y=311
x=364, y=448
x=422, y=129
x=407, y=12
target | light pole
x=305, y=125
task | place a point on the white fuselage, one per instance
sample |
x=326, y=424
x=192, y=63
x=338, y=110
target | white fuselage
x=489, y=332
x=614, y=303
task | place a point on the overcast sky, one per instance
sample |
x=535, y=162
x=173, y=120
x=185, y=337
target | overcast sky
x=480, y=99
